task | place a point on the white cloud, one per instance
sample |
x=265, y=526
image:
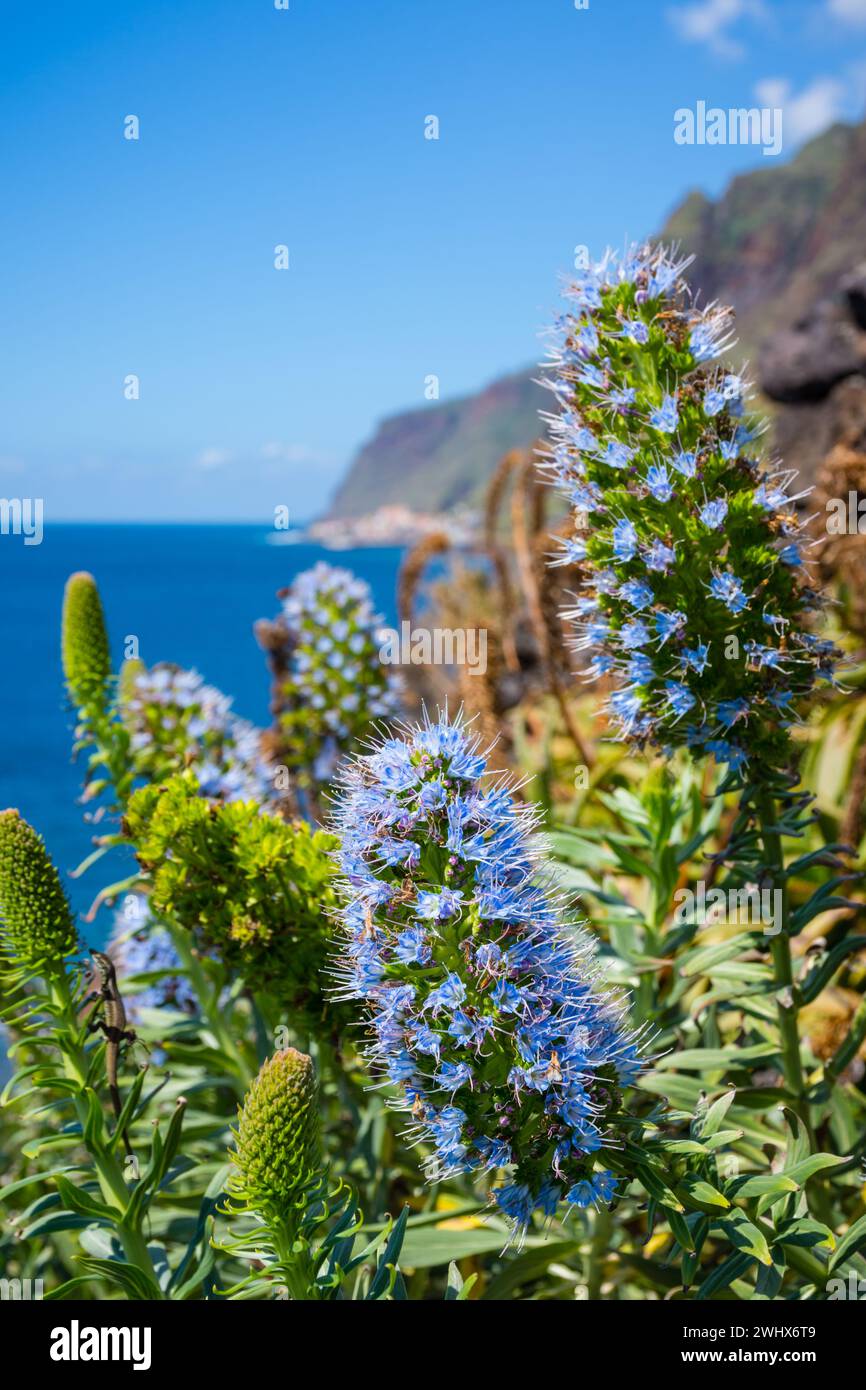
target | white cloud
x=269, y=458
x=709, y=22
x=210, y=459
x=807, y=113
x=289, y=453
x=849, y=11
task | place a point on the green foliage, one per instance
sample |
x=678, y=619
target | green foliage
x=251, y=887
x=748, y=1151
x=741, y=1162
x=307, y=1232
x=91, y=1190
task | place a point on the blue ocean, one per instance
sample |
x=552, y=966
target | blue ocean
x=190, y=594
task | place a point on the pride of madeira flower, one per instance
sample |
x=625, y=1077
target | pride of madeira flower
x=481, y=1000
x=277, y=1159
x=329, y=683
x=696, y=591
x=84, y=643
x=176, y=721
x=36, y=924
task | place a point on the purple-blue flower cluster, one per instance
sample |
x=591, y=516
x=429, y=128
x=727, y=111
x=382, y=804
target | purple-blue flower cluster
x=140, y=946
x=697, y=592
x=483, y=1004
x=176, y=721
x=330, y=686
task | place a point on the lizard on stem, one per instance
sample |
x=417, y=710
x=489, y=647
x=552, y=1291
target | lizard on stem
x=113, y=1024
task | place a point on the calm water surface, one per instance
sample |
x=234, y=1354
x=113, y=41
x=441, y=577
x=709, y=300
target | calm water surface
x=190, y=594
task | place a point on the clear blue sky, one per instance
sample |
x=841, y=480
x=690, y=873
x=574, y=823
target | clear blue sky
x=408, y=256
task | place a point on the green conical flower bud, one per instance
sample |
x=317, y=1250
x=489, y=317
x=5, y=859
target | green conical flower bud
x=35, y=918
x=86, y=659
x=127, y=680
x=278, y=1154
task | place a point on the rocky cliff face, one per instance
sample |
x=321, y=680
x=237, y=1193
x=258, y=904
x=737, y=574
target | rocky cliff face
x=816, y=370
x=779, y=237
x=441, y=456
x=785, y=246
x=782, y=245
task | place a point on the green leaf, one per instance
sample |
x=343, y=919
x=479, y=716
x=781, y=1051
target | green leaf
x=703, y=961
x=56, y=1221
x=54, y=1141
x=719, y=1058
x=681, y=1230
x=807, y=1167
x=762, y=1184
x=458, y=1289
x=95, y=1122
x=723, y=1137
x=427, y=1248
x=805, y=1232
x=823, y=973
x=76, y=1199
x=36, y=1178
x=853, y=1240
x=703, y=1195
x=657, y=1188
x=81, y=1281
x=197, y=1240
x=127, y=1110
x=724, y=1274
x=746, y=1237
x=528, y=1266
x=134, y=1283
x=798, y=1146
x=387, y=1267
x=822, y=900
x=162, y=1152
x=716, y=1113
x=769, y=1280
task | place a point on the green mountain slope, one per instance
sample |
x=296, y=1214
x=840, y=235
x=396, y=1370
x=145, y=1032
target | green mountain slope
x=438, y=457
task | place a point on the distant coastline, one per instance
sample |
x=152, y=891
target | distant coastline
x=392, y=525
x=386, y=527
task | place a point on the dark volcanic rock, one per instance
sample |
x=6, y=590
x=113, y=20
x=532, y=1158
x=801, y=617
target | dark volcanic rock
x=805, y=362
x=817, y=372
x=854, y=289
x=804, y=434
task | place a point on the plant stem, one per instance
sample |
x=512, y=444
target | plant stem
x=851, y=1046
x=780, y=950
x=242, y=1075
x=598, y=1249
x=112, y=1182
x=296, y=1265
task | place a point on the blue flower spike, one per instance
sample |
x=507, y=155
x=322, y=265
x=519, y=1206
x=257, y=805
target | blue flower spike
x=483, y=1002
x=697, y=593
